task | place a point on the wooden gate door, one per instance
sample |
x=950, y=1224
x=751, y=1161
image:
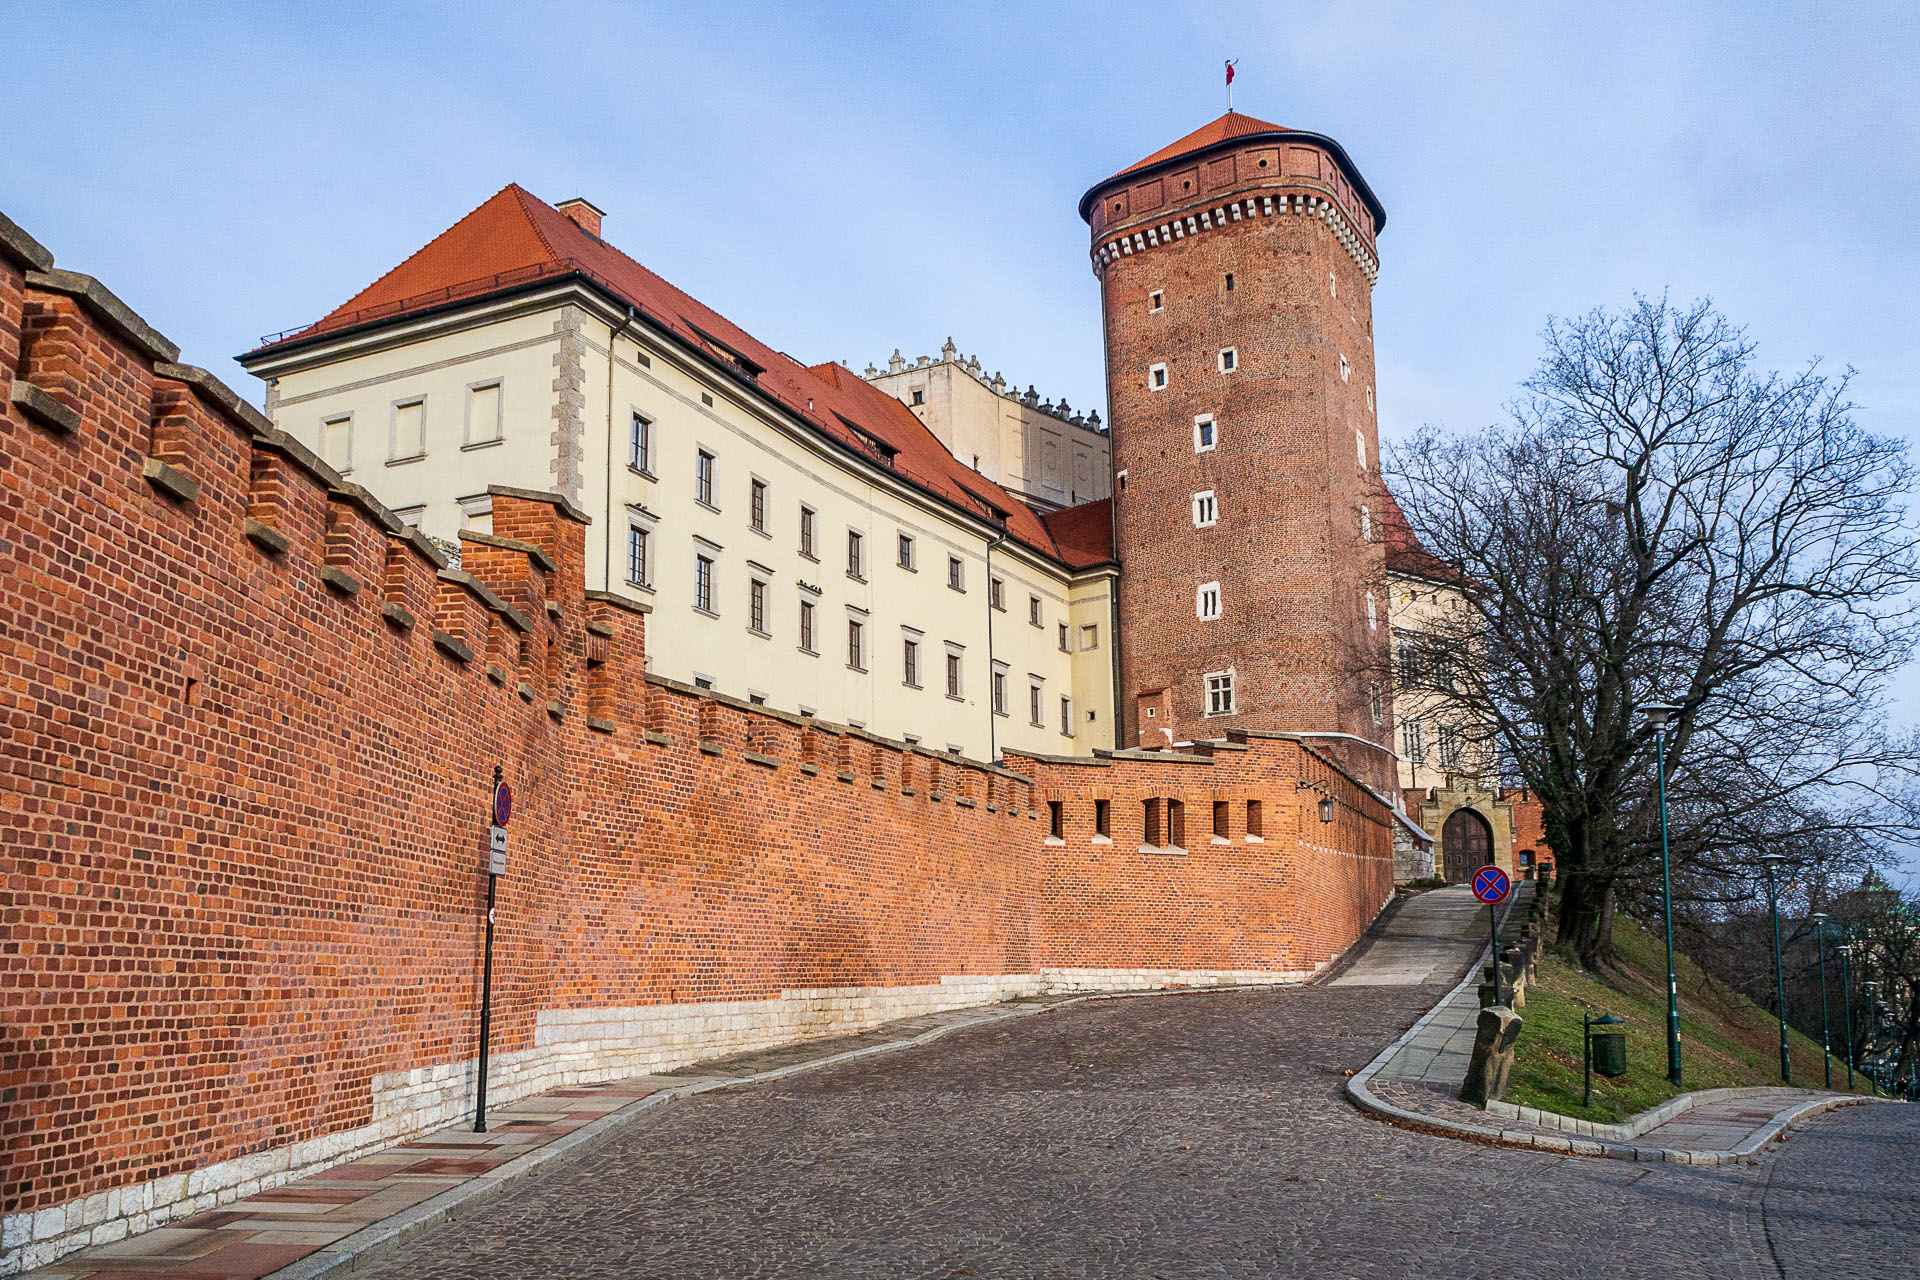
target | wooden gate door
x=1466, y=845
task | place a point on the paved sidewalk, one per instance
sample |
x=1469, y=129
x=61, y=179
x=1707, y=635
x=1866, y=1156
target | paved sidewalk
x=1434, y=942
x=308, y=1227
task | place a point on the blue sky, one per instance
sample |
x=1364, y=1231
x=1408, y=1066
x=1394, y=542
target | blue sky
x=846, y=179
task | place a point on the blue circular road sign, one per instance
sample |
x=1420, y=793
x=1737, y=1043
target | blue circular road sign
x=1490, y=884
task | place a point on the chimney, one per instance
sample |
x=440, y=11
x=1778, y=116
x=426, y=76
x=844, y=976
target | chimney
x=584, y=212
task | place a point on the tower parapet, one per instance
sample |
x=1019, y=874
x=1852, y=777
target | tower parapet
x=1236, y=270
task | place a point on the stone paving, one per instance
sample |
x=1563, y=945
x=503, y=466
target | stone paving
x=265, y=1232
x=1193, y=1135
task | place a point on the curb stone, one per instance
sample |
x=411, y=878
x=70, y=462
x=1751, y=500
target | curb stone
x=349, y=1253
x=1363, y=1097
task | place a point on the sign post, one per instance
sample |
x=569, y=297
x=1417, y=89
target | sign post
x=496, y=867
x=1490, y=885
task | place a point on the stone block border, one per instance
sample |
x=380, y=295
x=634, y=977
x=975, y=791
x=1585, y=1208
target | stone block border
x=346, y=1255
x=1612, y=1142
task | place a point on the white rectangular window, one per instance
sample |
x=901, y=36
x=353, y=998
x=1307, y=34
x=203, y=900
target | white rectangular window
x=806, y=533
x=997, y=594
x=856, y=644
x=336, y=443
x=703, y=583
x=956, y=573
x=1206, y=601
x=1064, y=633
x=1346, y=370
x=1366, y=524
x=757, y=606
x=1066, y=716
x=484, y=422
x=999, y=689
x=1090, y=636
x=1205, y=433
x=1360, y=447
x=1157, y=377
x=639, y=555
x=1449, y=746
x=409, y=430
x=856, y=554
x=955, y=684
x=1229, y=359
x=1033, y=611
x=640, y=444
x=910, y=661
x=906, y=551
x=1206, y=511
x=1156, y=300
x=703, y=478
x=1413, y=741
x=806, y=627
x=1033, y=705
x=757, y=506
x=1220, y=693
x=1373, y=617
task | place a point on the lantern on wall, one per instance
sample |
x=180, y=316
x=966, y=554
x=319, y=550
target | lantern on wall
x=1326, y=808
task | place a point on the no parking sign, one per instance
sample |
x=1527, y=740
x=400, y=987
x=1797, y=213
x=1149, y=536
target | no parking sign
x=1490, y=885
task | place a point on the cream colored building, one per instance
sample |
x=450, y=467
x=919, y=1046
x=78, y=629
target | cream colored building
x=1448, y=781
x=1045, y=453
x=800, y=538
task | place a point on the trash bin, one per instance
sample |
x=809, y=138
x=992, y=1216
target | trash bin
x=1610, y=1053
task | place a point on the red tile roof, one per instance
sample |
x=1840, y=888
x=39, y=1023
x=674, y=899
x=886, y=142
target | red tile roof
x=1404, y=552
x=515, y=238
x=1230, y=125
x=1084, y=533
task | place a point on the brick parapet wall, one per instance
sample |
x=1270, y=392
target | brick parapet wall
x=251, y=723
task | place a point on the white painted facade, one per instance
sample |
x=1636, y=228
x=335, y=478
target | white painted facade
x=570, y=371
x=1046, y=454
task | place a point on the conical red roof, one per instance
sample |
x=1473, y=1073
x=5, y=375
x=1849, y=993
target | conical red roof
x=1230, y=125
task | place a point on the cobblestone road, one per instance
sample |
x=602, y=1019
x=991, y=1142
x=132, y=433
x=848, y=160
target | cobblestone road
x=1184, y=1136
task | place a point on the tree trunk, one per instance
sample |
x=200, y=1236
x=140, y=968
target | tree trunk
x=1586, y=919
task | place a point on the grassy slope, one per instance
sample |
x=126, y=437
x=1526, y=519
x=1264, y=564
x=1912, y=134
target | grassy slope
x=1725, y=1039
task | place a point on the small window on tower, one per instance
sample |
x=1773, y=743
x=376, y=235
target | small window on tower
x=1157, y=377
x=1206, y=510
x=1205, y=433
x=1333, y=284
x=1229, y=282
x=1229, y=359
x=1360, y=447
x=1366, y=524
x=1346, y=369
x=1206, y=601
x=1156, y=300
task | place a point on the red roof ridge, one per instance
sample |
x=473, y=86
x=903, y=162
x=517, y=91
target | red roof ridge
x=522, y=195
x=1231, y=125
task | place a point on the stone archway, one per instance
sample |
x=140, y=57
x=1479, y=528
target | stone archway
x=1466, y=845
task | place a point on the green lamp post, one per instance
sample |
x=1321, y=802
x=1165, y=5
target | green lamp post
x=1658, y=713
x=1846, y=1003
x=1771, y=861
x=1819, y=919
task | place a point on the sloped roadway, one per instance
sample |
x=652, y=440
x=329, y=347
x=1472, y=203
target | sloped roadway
x=1193, y=1135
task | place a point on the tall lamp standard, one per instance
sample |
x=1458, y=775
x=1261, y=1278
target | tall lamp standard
x=1819, y=919
x=1658, y=713
x=1770, y=861
x=1846, y=1003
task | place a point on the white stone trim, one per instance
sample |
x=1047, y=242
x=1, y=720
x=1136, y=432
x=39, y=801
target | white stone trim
x=1179, y=228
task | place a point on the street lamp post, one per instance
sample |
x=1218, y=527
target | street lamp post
x=1846, y=1003
x=1871, y=989
x=1658, y=713
x=1770, y=861
x=1819, y=919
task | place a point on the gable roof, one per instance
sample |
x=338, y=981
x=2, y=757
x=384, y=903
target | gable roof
x=1084, y=533
x=515, y=239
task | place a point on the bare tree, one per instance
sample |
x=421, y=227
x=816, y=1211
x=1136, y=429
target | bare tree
x=1660, y=521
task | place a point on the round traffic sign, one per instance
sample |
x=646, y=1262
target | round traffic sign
x=1490, y=884
x=502, y=804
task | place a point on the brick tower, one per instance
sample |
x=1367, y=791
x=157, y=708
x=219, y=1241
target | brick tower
x=1236, y=270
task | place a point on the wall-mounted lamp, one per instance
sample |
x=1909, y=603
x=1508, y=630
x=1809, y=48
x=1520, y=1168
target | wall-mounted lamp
x=1326, y=808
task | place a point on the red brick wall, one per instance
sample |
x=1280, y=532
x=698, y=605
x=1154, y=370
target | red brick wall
x=1287, y=549
x=250, y=733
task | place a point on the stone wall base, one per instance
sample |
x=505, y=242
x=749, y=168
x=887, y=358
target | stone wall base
x=571, y=1047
